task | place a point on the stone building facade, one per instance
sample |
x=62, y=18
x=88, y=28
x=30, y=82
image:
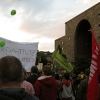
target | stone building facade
x=77, y=40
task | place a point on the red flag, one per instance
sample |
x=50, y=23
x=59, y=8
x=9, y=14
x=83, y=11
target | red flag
x=92, y=92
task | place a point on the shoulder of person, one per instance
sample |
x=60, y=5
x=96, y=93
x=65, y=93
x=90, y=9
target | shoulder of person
x=34, y=98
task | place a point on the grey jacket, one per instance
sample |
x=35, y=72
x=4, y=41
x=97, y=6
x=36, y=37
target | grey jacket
x=82, y=90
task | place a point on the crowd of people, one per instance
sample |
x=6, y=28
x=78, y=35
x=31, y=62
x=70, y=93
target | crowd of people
x=15, y=84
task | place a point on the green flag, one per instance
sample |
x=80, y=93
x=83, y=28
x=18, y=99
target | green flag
x=61, y=59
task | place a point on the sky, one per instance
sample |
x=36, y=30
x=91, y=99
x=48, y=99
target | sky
x=40, y=21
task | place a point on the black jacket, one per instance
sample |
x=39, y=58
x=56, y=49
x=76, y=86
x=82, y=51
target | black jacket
x=15, y=94
x=32, y=78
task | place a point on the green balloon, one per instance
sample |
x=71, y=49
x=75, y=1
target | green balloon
x=13, y=12
x=2, y=43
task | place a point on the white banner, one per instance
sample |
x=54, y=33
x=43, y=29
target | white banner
x=26, y=52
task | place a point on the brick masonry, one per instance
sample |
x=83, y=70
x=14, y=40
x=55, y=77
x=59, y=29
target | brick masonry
x=68, y=41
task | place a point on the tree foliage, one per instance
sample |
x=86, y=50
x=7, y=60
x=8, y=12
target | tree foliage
x=43, y=57
x=82, y=63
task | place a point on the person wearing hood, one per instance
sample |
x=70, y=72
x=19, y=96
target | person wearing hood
x=66, y=88
x=46, y=87
x=11, y=72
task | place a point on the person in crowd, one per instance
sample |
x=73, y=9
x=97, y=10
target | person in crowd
x=46, y=87
x=34, y=75
x=11, y=72
x=82, y=75
x=57, y=79
x=75, y=82
x=73, y=77
x=27, y=85
x=79, y=79
x=59, y=82
x=66, y=88
x=82, y=90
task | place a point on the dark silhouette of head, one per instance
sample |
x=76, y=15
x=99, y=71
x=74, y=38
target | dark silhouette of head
x=67, y=76
x=87, y=72
x=57, y=77
x=10, y=69
x=47, y=70
x=34, y=69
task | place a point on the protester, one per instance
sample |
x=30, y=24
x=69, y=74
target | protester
x=79, y=79
x=34, y=75
x=57, y=79
x=82, y=90
x=27, y=85
x=11, y=79
x=82, y=75
x=66, y=88
x=46, y=87
x=59, y=82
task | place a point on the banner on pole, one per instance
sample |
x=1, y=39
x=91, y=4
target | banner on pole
x=93, y=91
x=60, y=57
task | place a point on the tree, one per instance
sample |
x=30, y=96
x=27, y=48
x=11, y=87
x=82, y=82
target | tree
x=82, y=63
x=44, y=57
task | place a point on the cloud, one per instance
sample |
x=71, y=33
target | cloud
x=40, y=21
x=48, y=21
x=82, y=1
x=87, y=2
x=93, y=2
x=46, y=46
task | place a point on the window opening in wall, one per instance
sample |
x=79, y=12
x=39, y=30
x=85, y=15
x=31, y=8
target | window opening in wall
x=69, y=38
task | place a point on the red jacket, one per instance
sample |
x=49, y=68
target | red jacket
x=66, y=82
x=46, y=88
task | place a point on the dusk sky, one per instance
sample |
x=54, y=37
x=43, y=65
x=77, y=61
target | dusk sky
x=40, y=21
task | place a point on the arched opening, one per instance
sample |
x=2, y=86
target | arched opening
x=83, y=45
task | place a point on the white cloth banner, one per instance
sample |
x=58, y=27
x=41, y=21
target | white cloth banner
x=26, y=52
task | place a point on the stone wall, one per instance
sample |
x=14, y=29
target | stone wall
x=68, y=41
